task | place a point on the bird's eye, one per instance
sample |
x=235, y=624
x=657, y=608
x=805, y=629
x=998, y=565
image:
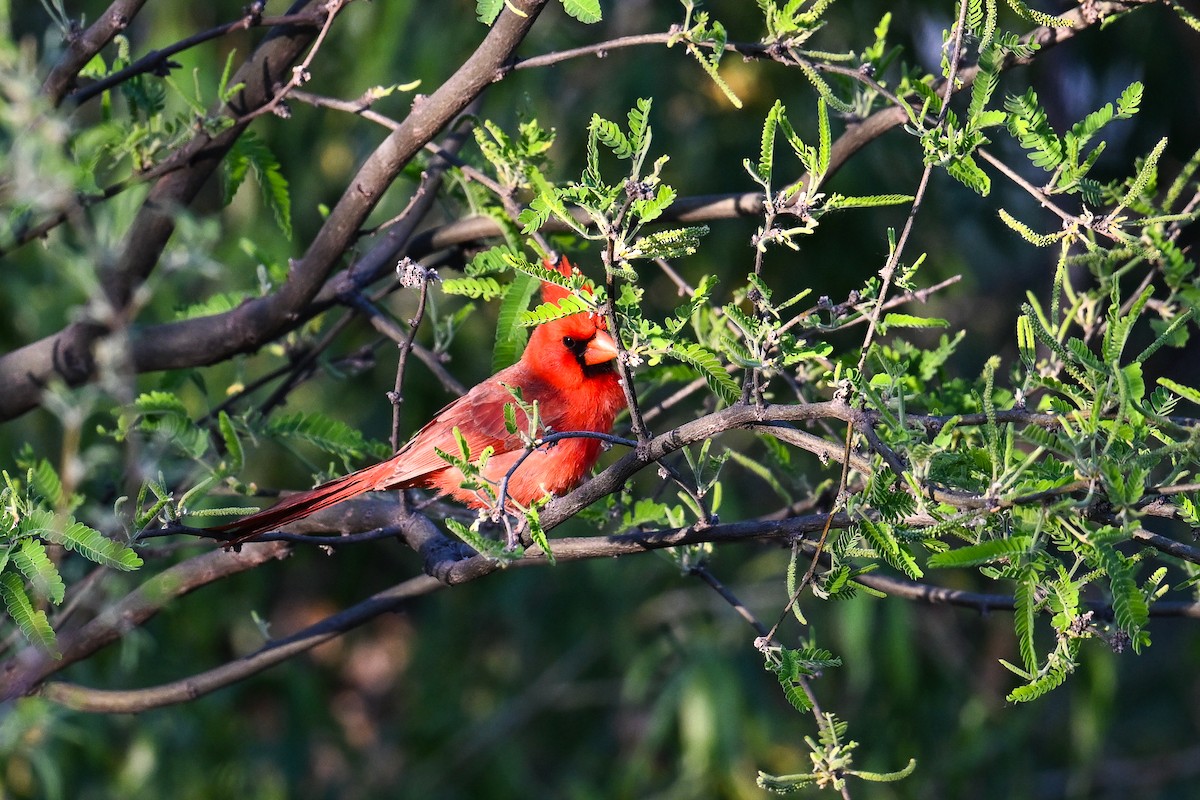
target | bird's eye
x=568, y=342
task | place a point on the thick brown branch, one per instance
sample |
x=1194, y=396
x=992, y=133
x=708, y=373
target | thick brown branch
x=453, y=570
x=126, y=702
x=24, y=671
x=84, y=46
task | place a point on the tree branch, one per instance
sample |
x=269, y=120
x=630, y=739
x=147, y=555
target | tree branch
x=83, y=47
x=21, y=673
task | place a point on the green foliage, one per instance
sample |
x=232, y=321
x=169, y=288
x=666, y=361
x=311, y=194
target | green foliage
x=548, y=312
x=33, y=623
x=31, y=517
x=804, y=199
x=1066, y=157
x=832, y=758
x=481, y=544
x=700, y=34
x=329, y=435
x=586, y=11
x=615, y=212
x=710, y=368
x=249, y=153
x=1028, y=477
x=792, y=21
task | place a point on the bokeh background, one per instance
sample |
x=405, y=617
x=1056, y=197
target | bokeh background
x=621, y=678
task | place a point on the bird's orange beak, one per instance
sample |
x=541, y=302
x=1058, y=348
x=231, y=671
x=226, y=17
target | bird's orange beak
x=601, y=348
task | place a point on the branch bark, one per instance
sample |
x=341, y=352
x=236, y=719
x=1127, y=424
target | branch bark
x=21, y=673
x=473, y=568
x=84, y=46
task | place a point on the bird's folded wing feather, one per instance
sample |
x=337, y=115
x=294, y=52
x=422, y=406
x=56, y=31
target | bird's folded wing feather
x=478, y=416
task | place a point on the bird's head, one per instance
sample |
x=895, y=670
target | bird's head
x=570, y=351
x=574, y=350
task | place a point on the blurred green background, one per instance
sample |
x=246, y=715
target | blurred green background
x=618, y=678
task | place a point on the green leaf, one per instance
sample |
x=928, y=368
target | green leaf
x=1010, y=549
x=1038, y=687
x=249, y=152
x=1026, y=343
x=611, y=136
x=714, y=35
x=489, y=548
x=786, y=784
x=485, y=288
x=1147, y=174
x=1186, y=392
x=910, y=321
x=1028, y=124
x=651, y=209
x=885, y=543
x=510, y=333
x=824, y=137
x=33, y=562
x=82, y=539
x=538, y=534
x=163, y=414
x=1041, y=18
x=215, y=304
x=1027, y=233
x=233, y=444
x=1023, y=617
x=1130, y=610
x=586, y=11
x=548, y=312
x=766, y=153
x=330, y=435
x=486, y=11
x=671, y=243
x=964, y=169
x=32, y=623
x=785, y=663
x=45, y=482
x=837, y=201
x=710, y=368
x=885, y=777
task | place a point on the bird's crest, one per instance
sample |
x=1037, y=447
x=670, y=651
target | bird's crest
x=552, y=292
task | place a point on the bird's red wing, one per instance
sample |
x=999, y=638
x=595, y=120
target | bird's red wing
x=479, y=417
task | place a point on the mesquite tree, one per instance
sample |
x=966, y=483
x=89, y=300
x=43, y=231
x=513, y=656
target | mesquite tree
x=225, y=242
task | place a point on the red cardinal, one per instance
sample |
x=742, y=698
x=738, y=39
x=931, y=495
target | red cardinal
x=567, y=368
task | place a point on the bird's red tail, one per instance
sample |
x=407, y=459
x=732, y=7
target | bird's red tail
x=302, y=504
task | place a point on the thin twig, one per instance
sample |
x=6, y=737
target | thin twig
x=889, y=269
x=396, y=397
x=158, y=61
x=300, y=73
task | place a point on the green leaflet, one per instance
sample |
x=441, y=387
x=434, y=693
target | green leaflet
x=33, y=562
x=32, y=623
x=548, y=312
x=330, y=435
x=983, y=553
x=249, y=152
x=710, y=368
x=76, y=536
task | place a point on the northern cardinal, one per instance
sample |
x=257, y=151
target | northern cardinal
x=567, y=369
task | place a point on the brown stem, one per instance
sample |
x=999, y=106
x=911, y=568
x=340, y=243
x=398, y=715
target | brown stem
x=21, y=673
x=84, y=46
